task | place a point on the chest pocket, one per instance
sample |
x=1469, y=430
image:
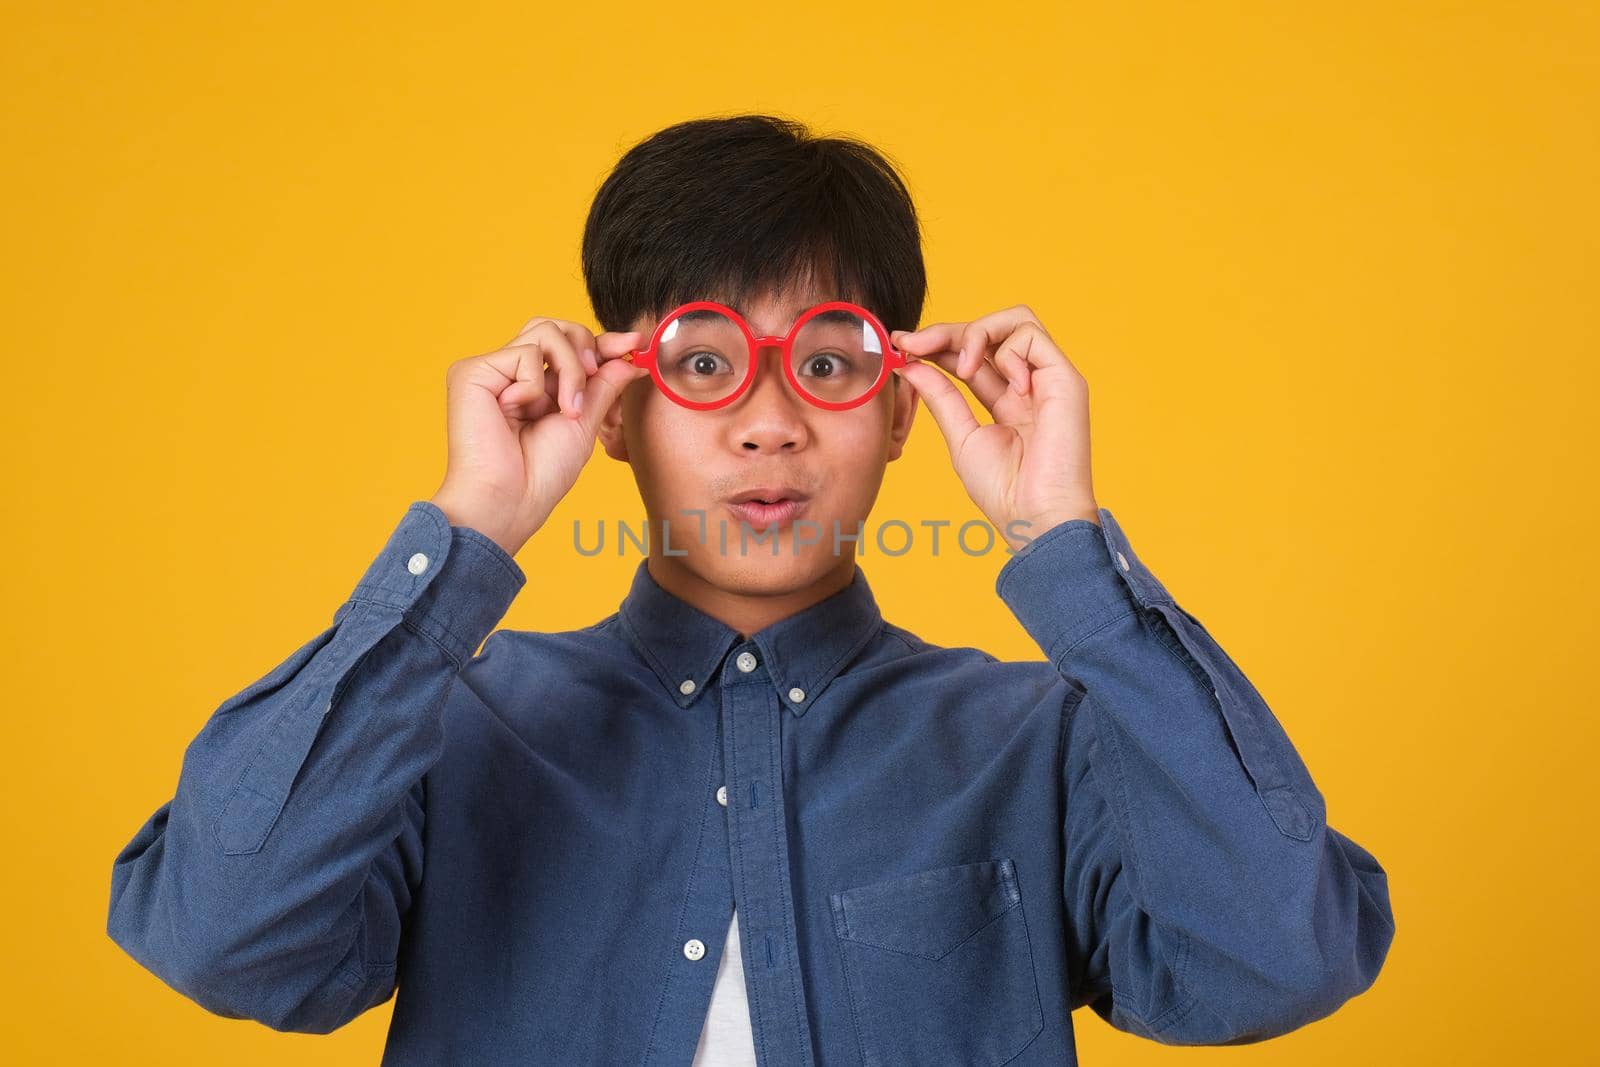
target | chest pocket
x=938, y=966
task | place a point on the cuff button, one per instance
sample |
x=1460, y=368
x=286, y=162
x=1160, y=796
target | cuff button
x=417, y=563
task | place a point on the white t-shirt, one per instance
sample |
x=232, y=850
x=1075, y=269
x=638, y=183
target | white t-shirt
x=726, y=1040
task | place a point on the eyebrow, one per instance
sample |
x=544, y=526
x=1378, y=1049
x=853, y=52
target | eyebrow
x=790, y=314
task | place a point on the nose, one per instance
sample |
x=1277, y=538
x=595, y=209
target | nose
x=770, y=417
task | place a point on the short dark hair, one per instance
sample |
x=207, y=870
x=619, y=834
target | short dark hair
x=726, y=208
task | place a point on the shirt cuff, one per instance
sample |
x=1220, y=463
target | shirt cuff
x=451, y=582
x=1073, y=579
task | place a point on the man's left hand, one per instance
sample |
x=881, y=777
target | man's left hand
x=1030, y=466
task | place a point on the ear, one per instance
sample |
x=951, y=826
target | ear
x=610, y=432
x=905, y=409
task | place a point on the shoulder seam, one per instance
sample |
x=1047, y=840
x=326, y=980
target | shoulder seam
x=899, y=635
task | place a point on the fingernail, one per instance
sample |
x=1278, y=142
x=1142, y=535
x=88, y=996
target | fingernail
x=577, y=403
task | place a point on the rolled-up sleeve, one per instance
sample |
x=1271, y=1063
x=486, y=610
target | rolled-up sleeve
x=1208, y=900
x=273, y=884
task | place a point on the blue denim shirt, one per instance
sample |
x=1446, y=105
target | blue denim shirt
x=936, y=855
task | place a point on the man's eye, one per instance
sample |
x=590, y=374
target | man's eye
x=824, y=365
x=703, y=363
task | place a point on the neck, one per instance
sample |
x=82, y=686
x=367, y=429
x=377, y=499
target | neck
x=748, y=613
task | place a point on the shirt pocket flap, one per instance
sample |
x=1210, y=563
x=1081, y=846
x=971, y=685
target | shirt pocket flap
x=928, y=913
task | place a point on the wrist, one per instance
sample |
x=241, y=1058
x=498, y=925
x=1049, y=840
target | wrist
x=1036, y=526
x=484, y=522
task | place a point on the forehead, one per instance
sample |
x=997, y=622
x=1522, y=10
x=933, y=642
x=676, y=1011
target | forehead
x=776, y=310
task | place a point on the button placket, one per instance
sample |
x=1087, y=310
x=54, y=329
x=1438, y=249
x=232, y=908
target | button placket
x=705, y=906
x=753, y=718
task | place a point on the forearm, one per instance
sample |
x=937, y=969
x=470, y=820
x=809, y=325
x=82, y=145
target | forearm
x=1221, y=905
x=273, y=882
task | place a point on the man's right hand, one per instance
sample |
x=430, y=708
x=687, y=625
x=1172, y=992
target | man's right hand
x=522, y=421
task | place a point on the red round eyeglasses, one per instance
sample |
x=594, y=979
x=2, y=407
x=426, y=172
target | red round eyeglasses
x=703, y=355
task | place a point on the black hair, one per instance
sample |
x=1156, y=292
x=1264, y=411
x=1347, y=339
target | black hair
x=727, y=208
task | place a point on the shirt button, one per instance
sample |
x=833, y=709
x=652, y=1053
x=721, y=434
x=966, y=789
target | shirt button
x=722, y=795
x=693, y=948
x=686, y=686
x=746, y=662
x=1122, y=560
x=796, y=695
x=417, y=563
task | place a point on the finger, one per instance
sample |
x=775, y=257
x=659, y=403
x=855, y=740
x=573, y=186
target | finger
x=968, y=343
x=522, y=335
x=473, y=386
x=986, y=332
x=615, y=344
x=523, y=385
x=525, y=365
x=528, y=396
x=524, y=402
x=562, y=356
x=1038, y=350
x=584, y=342
x=972, y=340
x=986, y=383
x=1015, y=366
x=519, y=366
x=936, y=337
x=948, y=407
x=578, y=334
x=1034, y=345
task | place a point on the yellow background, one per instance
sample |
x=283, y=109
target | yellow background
x=1330, y=275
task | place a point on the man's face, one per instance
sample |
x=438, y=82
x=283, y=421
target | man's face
x=687, y=461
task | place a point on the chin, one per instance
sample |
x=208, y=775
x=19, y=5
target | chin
x=760, y=573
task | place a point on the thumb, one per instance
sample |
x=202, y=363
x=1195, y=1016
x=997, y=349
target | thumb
x=948, y=407
x=603, y=389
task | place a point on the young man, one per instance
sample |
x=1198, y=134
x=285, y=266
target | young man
x=744, y=818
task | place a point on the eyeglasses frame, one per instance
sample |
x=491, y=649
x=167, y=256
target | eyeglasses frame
x=648, y=356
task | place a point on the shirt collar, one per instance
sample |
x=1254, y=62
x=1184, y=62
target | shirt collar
x=801, y=653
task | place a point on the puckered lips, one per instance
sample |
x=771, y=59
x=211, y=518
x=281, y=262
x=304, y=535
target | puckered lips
x=767, y=505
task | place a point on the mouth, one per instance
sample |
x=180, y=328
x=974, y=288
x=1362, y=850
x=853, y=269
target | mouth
x=767, y=506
